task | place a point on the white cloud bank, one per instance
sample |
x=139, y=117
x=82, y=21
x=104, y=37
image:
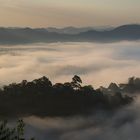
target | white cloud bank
x=121, y=125
x=97, y=64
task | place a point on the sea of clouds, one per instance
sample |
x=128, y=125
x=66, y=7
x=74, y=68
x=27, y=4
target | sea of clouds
x=97, y=64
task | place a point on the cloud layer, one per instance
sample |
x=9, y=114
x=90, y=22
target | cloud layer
x=97, y=64
x=123, y=124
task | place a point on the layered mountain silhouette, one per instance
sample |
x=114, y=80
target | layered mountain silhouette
x=13, y=36
x=75, y=30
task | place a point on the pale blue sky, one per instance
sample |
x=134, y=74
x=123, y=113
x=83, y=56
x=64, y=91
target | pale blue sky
x=61, y=13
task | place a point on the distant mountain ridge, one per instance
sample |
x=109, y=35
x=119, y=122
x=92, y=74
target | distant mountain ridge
x=75, y=30
x=11, y=36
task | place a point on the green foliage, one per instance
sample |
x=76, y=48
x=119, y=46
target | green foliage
x=8, y=133
x=20, y=128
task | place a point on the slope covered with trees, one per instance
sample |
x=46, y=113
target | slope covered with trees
x=41, y=97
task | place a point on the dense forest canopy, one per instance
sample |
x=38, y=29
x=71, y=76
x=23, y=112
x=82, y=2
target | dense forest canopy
x=41, y=97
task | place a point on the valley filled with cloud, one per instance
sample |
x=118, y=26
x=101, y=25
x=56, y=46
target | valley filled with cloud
x=96, y=63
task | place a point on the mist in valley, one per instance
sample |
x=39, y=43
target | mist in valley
x=123, y=124
x=96, y=63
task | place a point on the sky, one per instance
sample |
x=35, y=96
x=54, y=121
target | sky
x=62, y=13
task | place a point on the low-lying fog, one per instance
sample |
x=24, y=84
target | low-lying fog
x=122, y=125
x=97, y=64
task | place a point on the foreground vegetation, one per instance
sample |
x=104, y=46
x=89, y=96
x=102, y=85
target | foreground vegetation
x=40, y=97
x=10, y=133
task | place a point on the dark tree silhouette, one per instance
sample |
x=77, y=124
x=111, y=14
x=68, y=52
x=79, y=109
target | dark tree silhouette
x=40, y=97
x=17, y=133
x=76, y=82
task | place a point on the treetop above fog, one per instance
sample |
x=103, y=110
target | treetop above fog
x=41, y=97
